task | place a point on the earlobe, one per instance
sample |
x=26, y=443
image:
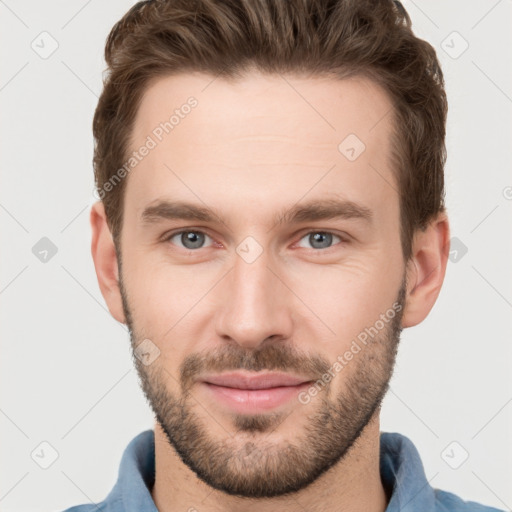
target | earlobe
x=105, y=261
x=426, y=270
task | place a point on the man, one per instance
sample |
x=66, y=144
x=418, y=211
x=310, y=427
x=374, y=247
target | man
x=272, y=216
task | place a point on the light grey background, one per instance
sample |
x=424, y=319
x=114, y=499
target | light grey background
x=66, y=370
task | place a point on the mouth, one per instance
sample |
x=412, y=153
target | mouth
x=247, y=392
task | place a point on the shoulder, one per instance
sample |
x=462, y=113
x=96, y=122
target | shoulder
x=449, y=502
x=110, y=504
x=84, y=508
x=90, y=507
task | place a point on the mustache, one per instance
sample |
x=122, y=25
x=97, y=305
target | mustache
x=277, y=356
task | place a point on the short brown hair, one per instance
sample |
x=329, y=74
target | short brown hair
x=371, y=38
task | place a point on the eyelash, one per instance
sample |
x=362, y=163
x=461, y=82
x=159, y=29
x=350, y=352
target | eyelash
x=166, y=238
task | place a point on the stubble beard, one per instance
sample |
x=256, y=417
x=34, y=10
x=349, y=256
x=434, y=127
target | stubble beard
x=245, y=461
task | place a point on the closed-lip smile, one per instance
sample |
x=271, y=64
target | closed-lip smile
x=253, y=392
x=250, y=380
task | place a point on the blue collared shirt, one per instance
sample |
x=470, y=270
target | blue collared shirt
x=401, y=470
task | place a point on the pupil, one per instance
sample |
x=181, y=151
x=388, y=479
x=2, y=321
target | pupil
x=318, y=238
x=192, y=240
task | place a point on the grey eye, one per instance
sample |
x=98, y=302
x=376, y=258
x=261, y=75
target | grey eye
x=190, y=239
x=320, y=239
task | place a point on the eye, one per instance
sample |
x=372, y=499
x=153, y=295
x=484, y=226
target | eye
x=188, y=239
x=194, y=239
x=320, y=239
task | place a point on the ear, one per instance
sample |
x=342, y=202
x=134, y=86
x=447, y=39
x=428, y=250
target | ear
x=426, y=269
x=105, y=261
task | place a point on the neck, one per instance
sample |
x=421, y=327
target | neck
x=353, y=484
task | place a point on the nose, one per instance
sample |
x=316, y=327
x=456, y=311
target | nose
x=255, y=305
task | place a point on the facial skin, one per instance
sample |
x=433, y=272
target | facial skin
x=250, y=150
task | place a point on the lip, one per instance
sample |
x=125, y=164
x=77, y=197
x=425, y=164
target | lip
x=249, y=381
x=245, y=393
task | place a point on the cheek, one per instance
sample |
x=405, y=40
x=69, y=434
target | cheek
x=348, y=296
x=168, y=301
x=350, y=303
x=175, y=305
x=345, y=294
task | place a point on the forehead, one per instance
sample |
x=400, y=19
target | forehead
x=282, y=136
x=328, y=107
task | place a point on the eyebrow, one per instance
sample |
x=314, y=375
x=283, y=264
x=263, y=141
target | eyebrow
x=306, y=212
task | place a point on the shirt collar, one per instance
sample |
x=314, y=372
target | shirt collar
x=132, y=491
x=403, y=476
x=401, y=472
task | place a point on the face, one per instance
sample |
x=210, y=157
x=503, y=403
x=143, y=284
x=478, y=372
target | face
x=262, y=272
